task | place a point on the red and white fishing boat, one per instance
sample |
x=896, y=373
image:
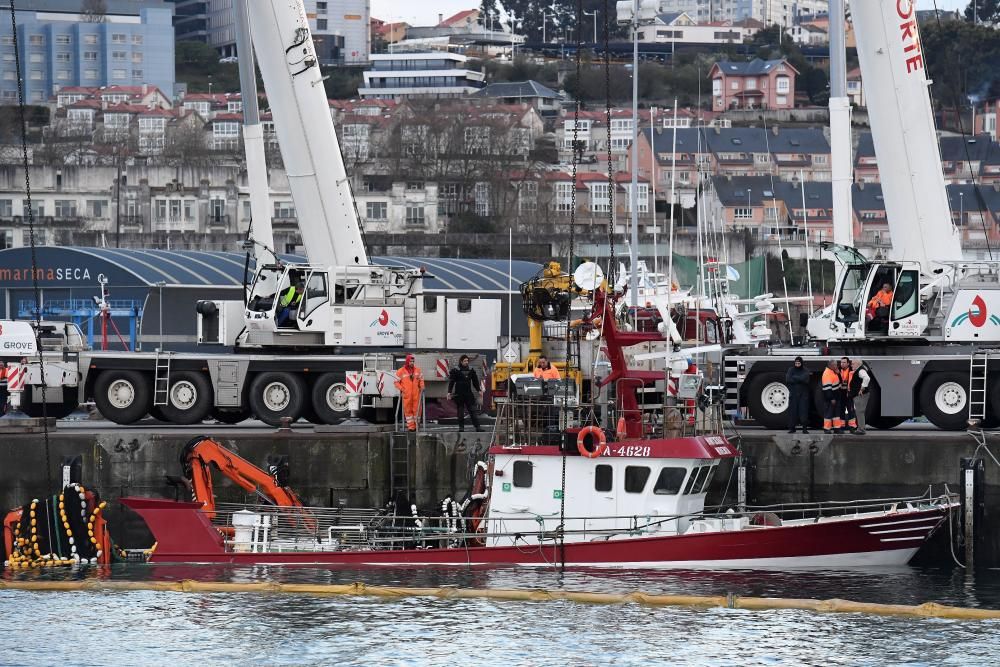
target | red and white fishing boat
x=558, y=490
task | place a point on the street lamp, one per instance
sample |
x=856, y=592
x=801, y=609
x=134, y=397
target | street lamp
x=635, y=13
x=961, y=208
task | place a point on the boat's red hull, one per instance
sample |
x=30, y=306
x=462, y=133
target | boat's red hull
x=184, y=535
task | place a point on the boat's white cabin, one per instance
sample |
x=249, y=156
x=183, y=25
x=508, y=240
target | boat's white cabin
x=634, y=489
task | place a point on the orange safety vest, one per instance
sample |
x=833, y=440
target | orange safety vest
x=880, y=299
x=550, y=373
x=831, y=379
x=845, y=377
x=409, y=380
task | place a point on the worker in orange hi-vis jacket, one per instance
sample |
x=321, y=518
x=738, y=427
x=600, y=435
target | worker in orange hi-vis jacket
x=410, y=383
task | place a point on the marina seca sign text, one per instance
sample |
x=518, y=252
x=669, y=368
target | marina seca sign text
x=61, y=273
x=909, y=36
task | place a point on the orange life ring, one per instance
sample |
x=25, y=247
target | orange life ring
x=581, y=444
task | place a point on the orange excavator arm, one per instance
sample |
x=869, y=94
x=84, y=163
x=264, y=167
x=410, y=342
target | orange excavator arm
x=201, y=453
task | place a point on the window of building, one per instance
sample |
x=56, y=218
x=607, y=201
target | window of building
x=635, y=478
x=414, y=186
x=781, y=99
x=89, y=56
x=137, y=74
x=6, y=40
x=482, y=196
x=117, y=74
x=118, y=55
x=742, y=213
x=321, y=24
x=321, y=8
x=603, y=478
x=750, y=83
x=118, y=38
x=62, y=57
x=65, y=208
x=782, y=84
x=189, y=209
x=137, y=39
x=175, y=209
x=564, y=197
x=90, y=74
x=37, y=209
x=284, y=210
x=97, y=208
x=6, y=239
x=377, y=210
x=415, y=216
x=734, y=84
x=600, y=200
x=522, y=474
x=90, y=39
x=9, y=75
x=6, y=208
x=36, y=40
x=36, y=58
x=669, y=482
x=36, y=74
x=217, y=209
x=161, y=209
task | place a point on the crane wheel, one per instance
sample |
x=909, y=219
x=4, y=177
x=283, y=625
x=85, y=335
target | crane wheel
x=768, y=400
x=329, y=398
x=944, y=400
x=123, y=397
x=230, y=415
x=189, y=398
x=276, y=395
x=60, y=410
x=873, y=416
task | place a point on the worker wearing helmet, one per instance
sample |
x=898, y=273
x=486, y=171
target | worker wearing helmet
x=410, y=383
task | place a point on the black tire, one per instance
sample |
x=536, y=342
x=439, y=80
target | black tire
x=230, y=415
x=156, y=412
x=329, y=398
x=123, y=397
x=944, y=400
x=276, y=395
x=768, y=400
x=873, y=416
x=55, y=410
x=189, y=398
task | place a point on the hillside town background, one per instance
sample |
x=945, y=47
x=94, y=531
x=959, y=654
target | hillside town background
x=457, y=134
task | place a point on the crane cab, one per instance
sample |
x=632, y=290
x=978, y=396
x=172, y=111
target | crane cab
x=309, y=305
x=875, y=299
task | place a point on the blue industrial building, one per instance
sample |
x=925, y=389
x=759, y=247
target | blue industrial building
x=142, y=284
x=58, y=48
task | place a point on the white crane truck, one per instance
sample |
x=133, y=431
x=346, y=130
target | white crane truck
x=354, y=317
x=934, y=350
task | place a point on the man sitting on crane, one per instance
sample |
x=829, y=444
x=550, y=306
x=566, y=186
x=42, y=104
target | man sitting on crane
x=289, y=302
x=878, y=309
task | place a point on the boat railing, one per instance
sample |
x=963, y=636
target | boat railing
x=270, y=528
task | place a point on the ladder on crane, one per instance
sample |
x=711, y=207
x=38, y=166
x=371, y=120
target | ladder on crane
x=978, y=375
x=161, y=379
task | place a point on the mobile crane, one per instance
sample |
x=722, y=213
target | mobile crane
x=929, y=350
x=339, y=337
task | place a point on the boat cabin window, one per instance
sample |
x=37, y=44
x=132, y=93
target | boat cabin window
x=522, y=474
x=698, y=480
x=670, y=481
x=603, y=477
x=708, y=478
x=635, y=478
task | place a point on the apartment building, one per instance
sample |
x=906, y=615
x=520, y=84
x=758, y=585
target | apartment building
x=438, y=75
x=133, y=45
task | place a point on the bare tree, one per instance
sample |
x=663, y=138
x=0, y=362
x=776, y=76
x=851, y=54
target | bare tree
x=94, y=11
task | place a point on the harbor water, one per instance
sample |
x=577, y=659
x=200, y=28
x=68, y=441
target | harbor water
x=156, y=628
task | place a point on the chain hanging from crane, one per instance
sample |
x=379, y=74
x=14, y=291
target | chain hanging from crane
x=31, y=241
x=606, y=34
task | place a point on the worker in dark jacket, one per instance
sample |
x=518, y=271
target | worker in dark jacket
x=797, y=381
x=463, y=388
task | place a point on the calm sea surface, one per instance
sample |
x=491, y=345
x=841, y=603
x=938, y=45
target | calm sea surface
x=165, y=628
